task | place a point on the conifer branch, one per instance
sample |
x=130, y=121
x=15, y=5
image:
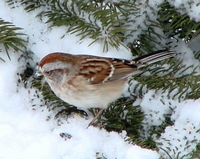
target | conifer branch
x=10, y=37
x=172, y=79
x=176, y=24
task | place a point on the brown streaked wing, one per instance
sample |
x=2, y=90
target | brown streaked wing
x=96, y=71
x=99, y=70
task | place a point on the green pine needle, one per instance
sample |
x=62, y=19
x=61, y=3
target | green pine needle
x=10, y=37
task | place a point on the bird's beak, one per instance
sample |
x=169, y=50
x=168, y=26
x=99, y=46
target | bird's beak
x=38, y=75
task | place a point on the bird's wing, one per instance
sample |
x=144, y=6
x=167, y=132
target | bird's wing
x=101, y=70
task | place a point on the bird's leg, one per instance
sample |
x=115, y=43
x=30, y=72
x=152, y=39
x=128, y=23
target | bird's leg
x=96, y=116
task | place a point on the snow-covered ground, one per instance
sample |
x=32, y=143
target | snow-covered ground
x=25, y=133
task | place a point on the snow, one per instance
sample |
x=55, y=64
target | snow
x=133, y=153
x=26, y=132
x=185, y=130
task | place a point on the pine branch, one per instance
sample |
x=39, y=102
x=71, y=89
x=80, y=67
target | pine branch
x=170, y=79
x=10, y=37
x=31, y=5
x=177, y=25
x=97, y=21
x=110, y=23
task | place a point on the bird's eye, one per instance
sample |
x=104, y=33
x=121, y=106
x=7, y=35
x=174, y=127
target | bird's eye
x=49, y=73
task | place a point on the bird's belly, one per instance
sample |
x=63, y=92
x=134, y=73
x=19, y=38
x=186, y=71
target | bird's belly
x=96, y=96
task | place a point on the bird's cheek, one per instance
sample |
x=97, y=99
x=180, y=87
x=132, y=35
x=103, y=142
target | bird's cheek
x=50, y=79
x=66, y=71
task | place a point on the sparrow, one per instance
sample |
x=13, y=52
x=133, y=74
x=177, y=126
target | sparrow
x=87, y=81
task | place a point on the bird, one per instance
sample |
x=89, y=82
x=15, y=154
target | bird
x=87, y=81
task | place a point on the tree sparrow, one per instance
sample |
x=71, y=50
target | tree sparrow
x=89, y=81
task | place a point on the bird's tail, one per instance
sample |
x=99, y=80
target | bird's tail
x=152, y=57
